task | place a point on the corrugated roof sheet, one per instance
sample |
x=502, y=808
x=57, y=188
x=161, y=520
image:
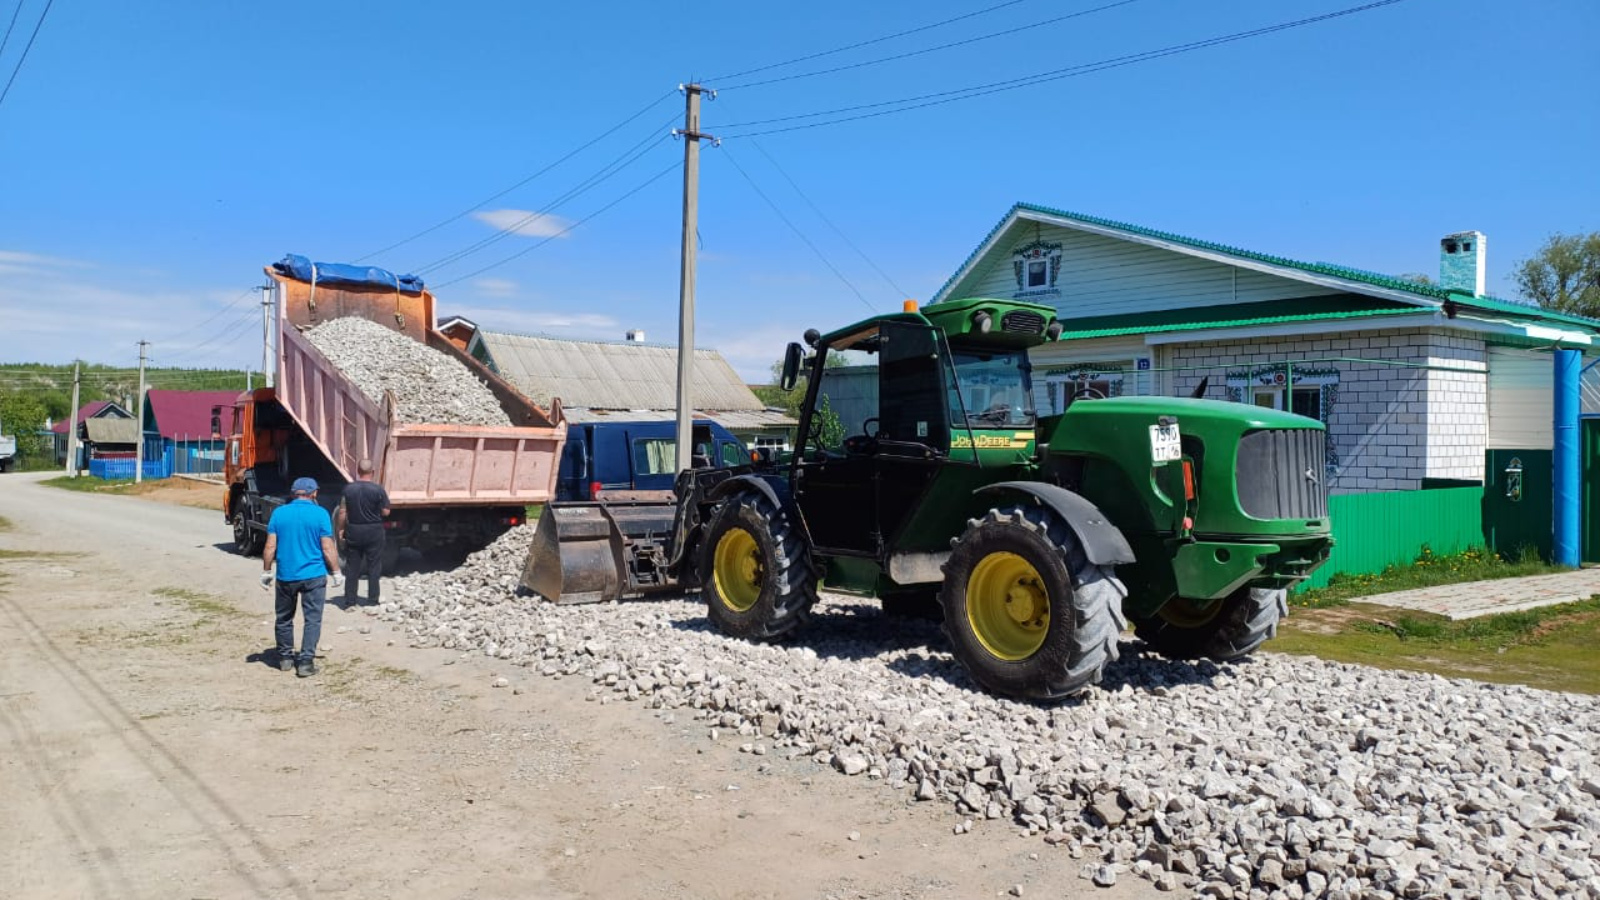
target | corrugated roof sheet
x=734, y=420
x=1360, y=276
x=112, y=431
x=620, y=376
x=187, y=414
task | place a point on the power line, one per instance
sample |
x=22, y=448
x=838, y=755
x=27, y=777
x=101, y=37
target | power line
x=213, y=317
x=498, y=194
x=14, y=13
x=798, y=233
x=909, y=54
x=529, y=249
x=24, y=58
x=867, y=43
x=906, y=104
x=627, y=158
x=829, y=222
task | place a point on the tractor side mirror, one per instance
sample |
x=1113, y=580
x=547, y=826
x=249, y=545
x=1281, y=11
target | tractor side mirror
x=792, y=357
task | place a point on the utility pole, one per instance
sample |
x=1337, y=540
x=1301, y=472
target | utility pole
x=266, y=333
x=72, y=427
x=690, y=132
x=138, y=441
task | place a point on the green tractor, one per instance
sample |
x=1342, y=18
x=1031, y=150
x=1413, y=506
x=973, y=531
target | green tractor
x=924, y=477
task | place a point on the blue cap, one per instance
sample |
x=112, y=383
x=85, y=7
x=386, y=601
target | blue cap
x=304, y=485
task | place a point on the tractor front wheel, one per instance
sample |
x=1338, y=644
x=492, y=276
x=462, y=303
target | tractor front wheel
x=756, y=571
x=1225, y=630
x=1027, y=613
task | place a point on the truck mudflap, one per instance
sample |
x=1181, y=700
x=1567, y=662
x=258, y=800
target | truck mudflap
x=598, y=552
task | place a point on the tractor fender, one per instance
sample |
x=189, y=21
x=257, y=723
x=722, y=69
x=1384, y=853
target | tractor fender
x=744, y=482
x=1103, y=542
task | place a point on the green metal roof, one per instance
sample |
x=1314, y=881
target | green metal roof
x=1231, y=315
x=1425, y=292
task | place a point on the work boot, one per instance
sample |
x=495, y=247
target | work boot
x=305, y=668
x=285, y=661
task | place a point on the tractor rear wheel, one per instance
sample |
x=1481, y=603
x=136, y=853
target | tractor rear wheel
x=1225, y=630
x=756, y=570
x=1027, y=613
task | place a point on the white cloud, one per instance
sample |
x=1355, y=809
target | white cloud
x=496, y=287
x=523, y=222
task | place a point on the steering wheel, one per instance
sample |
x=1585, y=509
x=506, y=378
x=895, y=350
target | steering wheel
x=871, y=432
x=1087, y=392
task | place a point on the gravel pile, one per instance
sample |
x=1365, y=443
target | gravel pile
x=428, y=386
x=1282, y=777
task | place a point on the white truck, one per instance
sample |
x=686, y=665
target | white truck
x=8, y=453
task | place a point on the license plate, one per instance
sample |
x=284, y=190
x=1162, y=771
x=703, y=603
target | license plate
x=1166, y=445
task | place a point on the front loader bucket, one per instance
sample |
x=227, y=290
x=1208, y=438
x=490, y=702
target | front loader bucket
x=599, y=552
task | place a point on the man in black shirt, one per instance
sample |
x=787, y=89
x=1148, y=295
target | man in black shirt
x=360, y=527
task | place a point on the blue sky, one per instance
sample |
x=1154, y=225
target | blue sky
x=154, y=156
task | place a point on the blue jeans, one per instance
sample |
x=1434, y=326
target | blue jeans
x=310, y=594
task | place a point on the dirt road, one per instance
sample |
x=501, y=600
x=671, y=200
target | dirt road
x=147, y=749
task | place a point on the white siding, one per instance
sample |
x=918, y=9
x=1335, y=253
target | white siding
x=1521, y=408
x=1050, y=361
x=1103, y=276
x=1589, y=390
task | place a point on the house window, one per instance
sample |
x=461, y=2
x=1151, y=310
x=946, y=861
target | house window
x=1037, y=273
x=1305, y=401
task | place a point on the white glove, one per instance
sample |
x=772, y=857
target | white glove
x=336, y=580
x=266, y=581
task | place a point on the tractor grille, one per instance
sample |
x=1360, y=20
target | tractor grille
x=1281, y=474
x=1022, y=321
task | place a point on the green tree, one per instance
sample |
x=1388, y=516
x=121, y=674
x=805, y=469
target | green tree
x=1564, y=275
x=827, y=427
x=22, y=416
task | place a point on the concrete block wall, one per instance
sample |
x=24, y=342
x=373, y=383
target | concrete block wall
x=1390, y=425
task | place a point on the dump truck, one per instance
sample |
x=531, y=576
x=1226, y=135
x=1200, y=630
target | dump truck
x=1035, y=538
x=450, y=485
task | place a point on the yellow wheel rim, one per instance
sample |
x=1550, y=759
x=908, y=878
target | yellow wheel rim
x=1008, y=606
x=1181, y=612
x=737, y=570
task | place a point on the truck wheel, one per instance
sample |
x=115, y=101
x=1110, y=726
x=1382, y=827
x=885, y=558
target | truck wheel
x=1227, y=629
x=1027, y=613
x=756, y=570
x=246, y=540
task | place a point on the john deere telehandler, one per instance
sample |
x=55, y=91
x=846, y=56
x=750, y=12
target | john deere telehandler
x=925, y=478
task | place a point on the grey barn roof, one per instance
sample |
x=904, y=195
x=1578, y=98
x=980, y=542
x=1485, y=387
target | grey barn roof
x=111, y=431
x=597, y=375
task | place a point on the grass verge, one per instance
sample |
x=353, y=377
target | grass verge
x=1551, y=647
x=88, y=484
x=200, y=603
x=1427, y=570
x=5, y=524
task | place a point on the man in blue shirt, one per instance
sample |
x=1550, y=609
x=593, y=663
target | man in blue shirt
x=300, y=541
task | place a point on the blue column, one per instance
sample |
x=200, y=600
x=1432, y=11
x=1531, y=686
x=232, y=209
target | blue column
x=1566, y=462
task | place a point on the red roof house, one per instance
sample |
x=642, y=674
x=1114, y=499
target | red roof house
x=184, y=415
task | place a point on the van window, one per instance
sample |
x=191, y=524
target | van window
x=731, y=454
x=655, y=456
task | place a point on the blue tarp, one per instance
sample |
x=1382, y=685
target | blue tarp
x=303, y=269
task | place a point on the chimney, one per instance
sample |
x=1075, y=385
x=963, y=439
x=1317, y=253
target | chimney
x=635, y=336
x=1463, y=259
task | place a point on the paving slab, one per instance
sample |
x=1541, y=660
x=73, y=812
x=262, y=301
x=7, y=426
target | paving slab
x=1471, y=599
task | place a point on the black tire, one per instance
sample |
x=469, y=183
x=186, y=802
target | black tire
x=390, y=563
x=246, y=540
x=756, y=570
x=1026, y=612
x=1227, y=630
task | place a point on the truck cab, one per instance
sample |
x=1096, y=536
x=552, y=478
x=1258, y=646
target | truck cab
x=637, y=459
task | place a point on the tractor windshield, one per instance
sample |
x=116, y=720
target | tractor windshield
x=995, y=389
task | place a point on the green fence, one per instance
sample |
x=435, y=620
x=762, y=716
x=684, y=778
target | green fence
x=1376, y=530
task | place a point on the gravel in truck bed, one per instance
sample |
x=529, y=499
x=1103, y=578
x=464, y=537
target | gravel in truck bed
x=1278, y=777
x=428, y=386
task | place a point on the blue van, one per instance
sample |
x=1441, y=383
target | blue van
x=610, y=457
